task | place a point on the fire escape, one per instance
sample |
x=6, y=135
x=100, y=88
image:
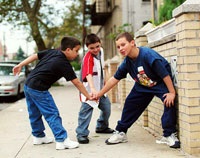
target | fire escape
x=100, y=11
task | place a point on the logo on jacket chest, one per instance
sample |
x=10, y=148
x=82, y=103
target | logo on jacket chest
x=143, y=79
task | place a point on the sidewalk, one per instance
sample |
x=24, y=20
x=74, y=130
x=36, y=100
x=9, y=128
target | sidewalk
x=16, y=140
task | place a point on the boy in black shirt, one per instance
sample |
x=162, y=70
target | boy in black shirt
x=53, y=64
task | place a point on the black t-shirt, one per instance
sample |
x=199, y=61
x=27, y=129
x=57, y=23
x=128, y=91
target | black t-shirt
x=52, y=65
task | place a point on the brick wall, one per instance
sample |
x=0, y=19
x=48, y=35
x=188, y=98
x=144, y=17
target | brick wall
x=185, y=44
x=188, y=50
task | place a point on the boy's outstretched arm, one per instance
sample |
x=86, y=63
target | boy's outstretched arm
x=81, y=88
x=109, y=84
x=17, y=68
x=91, y=84
x=169, y=97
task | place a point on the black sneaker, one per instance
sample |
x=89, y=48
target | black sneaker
x=83, y=140
x=107, y=130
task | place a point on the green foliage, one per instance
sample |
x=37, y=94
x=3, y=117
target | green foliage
x=165, y=11
x=72, y=23
x=44, y=21
x=123, y=28
x=56, y=84
x=76, y=65
x=20, y=54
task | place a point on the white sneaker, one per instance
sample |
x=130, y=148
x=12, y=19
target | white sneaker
x=42, y=140
x=171, y=140
x=67, y=144
x=117, y=137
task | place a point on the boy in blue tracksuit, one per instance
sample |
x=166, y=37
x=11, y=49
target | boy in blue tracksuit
x=152, y=76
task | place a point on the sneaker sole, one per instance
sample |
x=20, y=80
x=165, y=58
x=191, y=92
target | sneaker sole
x=83, y=142
x=176, y=145
x=63, y=148
x=159, y=142
x=72, y=147
x=109, y=143
x=42, y=143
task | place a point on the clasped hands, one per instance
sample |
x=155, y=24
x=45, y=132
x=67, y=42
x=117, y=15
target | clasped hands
x=94, y=95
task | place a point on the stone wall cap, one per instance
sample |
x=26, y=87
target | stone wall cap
x=115, y=59
x=186, y=7
x=144, y=29
x=160, y=26
x=107, y=62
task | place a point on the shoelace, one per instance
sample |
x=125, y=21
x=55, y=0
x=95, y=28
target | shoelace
x=116, y=132
x=174, y=136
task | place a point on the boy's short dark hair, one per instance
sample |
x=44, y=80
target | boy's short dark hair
x=127, y=35
x=91, y=38
x=69, y=42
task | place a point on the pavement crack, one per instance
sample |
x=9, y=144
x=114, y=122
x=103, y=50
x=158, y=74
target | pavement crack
x=22, y=146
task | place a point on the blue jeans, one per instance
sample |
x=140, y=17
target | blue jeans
x=41, y=103
x=85, y=116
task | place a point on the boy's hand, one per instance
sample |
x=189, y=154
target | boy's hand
x=94, y=92
x=92, y=98
x=169, y=99
x=16, y=70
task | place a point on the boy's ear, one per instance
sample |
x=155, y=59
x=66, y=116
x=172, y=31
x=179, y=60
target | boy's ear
x=67, y=50
x=132, y=42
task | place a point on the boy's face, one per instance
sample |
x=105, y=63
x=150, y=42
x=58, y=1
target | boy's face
x=94, y=48
x=72, y=53
x=124, y=47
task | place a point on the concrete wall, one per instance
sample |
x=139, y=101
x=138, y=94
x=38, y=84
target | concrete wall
x=136, y=12
x=123, y=12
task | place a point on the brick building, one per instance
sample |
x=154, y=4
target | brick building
x=104, y=21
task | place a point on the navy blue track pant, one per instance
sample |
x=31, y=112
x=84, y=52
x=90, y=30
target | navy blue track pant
x=136, y=102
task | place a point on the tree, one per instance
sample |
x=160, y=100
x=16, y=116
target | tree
x=43, y=20
x=72, y=23
x=165, y=11
x=20, y=54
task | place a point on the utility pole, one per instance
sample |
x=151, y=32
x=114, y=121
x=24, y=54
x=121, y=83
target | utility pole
x=4, y=47
x=26, y=48
x=83, y=26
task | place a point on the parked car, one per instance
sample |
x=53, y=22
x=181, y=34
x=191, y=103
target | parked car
x=26, y=68
x=11, y=85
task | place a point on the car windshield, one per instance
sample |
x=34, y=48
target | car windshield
x=6, y=70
